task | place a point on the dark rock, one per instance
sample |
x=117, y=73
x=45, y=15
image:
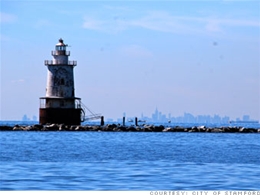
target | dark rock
x=37, y=127
x=121, y=128
x=108, y=128
x=158, y=128
x=225, y=129
x=148, y=128
x=207, y=130
x=28, y=128
x=231, y=129
x=96, y=128
x=62, y=127
x=202, y=128
x=52, y=127
x=131, y=129
x=72, y=127
x=111, y=126
x=168, y=129
x=139, y=129
x=79, y=128
x=216, y=130
x=247, y=130
x=17, y=128
x=194, y=129
x=89, y=128
x=178, y=129
x=6, y=128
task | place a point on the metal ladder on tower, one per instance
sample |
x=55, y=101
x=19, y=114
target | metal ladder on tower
x=91, y=116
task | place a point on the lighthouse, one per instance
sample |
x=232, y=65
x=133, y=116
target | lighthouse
x=60, y=105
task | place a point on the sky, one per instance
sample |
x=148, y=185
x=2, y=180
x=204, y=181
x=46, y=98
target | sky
x=200, y=57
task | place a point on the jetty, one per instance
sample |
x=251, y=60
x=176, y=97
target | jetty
x=123, y=128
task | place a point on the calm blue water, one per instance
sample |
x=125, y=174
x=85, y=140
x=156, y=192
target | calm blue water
x=129, y=161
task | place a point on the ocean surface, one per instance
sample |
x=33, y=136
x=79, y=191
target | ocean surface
x=129, y=161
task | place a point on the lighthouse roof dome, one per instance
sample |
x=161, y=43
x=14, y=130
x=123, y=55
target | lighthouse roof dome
x=60, y=43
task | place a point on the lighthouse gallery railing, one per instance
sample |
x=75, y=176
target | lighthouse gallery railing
x=62, y=52
x=60, y=62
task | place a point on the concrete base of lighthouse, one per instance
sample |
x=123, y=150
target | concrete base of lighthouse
x=67, y=116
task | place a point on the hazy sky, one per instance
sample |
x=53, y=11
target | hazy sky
x=200, y=57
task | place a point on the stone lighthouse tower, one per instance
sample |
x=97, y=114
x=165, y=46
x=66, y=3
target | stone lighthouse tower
x=60, y=105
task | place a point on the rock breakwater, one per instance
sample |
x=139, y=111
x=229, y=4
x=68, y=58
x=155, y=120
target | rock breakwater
x=120, y=128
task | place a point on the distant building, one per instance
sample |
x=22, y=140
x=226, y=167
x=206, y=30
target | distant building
x=109, y=120
x=155, y=115
x=189, y=118
x=246, y=118
x=225, y=119
x=25, y=118
x=34, y=118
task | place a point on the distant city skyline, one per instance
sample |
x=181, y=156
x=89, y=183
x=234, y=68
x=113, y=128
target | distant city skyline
x=158, y=116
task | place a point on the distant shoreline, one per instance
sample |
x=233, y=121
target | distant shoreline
x=132, y=128
x=244, y=122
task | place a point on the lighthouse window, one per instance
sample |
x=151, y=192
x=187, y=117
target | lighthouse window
x=60, y=48
x=62, y=81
